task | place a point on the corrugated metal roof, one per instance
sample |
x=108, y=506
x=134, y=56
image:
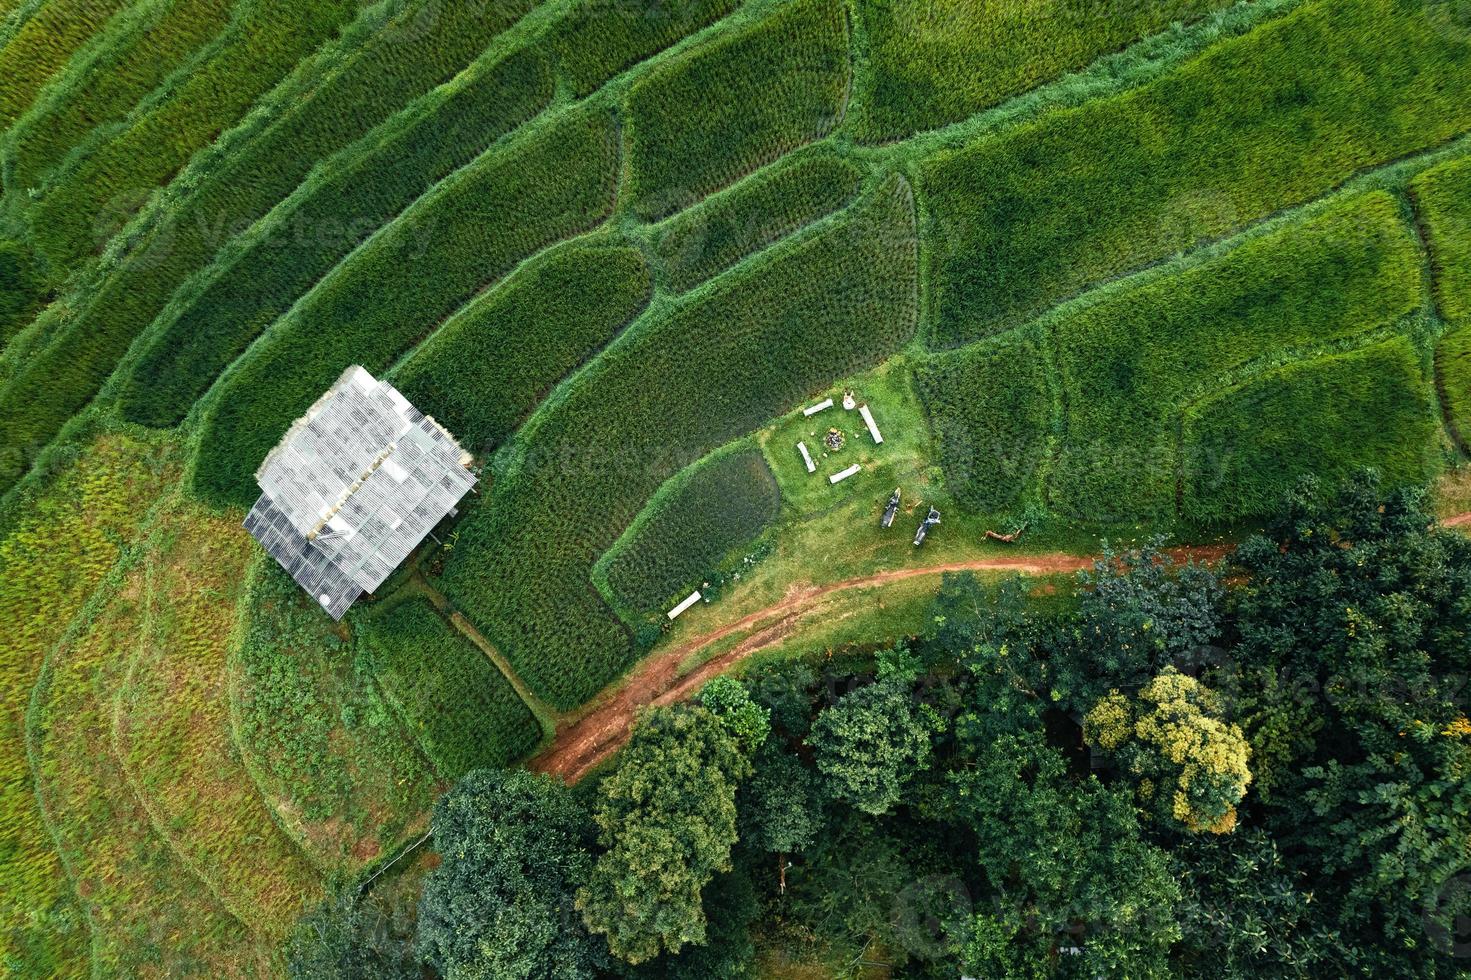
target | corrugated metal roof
x=353, y=487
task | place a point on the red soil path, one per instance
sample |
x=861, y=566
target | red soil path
x=606, y=723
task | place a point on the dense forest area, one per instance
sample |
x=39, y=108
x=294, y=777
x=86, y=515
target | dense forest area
x=1254, y=769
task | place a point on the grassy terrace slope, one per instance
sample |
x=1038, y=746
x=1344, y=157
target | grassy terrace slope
x=700, y=121
x=546, y=185
x=1130, y=362
x=265, y=40
x=306, y=236
x=668, y=392
x=146, y=909
x=1443, y=197
x=58, y=551
x=694, y=521
x=105, y=81
x=386, y=58
x=1326, y=417
x=316, y=733
x=463, y=711
x=1027, y=218
x=41, y=47
x=932, y=62
x=543, y=321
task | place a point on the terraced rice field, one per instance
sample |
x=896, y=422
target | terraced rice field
x=1106, y=272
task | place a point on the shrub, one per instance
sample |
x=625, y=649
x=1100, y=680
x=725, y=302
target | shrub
x=495, y=360
x=105, y=81
x=703, y=119
x=1129, y=362
x=991, y=411
x=694, y=521
x=315, y=730
x=336, y=210
x=1328, y=417
x=597, y=39
x=1258, y=123
x=721, y=231
x=552, y=182
x=390, y=55
x=42, y=45
x=1443, y=196
x=939, y=61
x=263, y=43
x=669, y=392
x=464, y=712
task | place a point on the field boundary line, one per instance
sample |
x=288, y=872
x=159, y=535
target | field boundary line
x=546, y=718
x=1434, y=274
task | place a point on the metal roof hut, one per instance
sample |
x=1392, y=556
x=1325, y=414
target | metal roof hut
x=353, y=487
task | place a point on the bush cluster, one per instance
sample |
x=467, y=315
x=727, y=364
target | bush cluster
x=709, y=238
x=698, y=122
x=485, y=370
x=463, y=711
x=1275, y=118
x=691, y=524
x=547, y=184
x=303, y=239
x=680, y=386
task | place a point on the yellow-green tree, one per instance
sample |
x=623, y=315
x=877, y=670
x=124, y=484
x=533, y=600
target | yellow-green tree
x=1190, y=764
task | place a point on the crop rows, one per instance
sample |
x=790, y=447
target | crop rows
x=1129, y=361
x=21, y=288
x=702, y=120
x=1257, y=123
x=709, y=238
x=316, y=733
x=598, y=39
x=495, y=360
x=548, y=184
x=326, y=218
x=264, y=42
x=105, y=81
x=173, y=730
x=991, y=412
x=1327, y=417
x=1443, y=194
x=42, y=46
x=146, y=909
x=933, y=62
x=384, y=60
x=464, y=712
x=694, y=522
x=50, y=563
x=672, y=390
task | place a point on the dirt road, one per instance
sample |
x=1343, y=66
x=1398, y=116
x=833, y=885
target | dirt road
x=584, y=743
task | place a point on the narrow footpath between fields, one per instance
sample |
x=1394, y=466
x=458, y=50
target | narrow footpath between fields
x=581, y=745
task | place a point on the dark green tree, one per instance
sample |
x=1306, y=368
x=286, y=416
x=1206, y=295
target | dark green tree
x=871, y=742
x=667, y=819
x=513, y=848
x=352, y=937
x=1352, y=644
